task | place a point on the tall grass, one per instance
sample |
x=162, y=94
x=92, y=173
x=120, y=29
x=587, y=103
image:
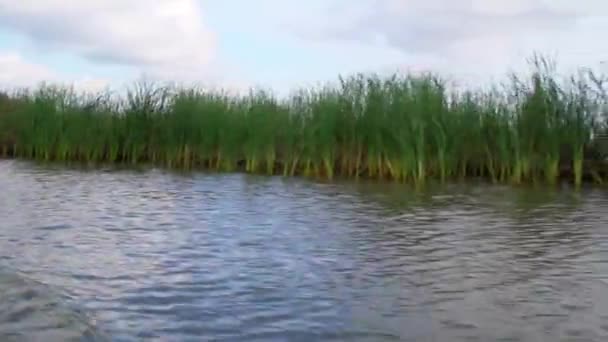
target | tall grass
x=406, y=128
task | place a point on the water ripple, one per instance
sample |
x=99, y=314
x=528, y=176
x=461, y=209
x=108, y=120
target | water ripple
x=191, y=257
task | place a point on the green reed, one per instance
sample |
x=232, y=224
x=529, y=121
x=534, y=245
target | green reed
x=405, y=128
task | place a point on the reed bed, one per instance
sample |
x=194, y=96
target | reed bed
x=406, y=128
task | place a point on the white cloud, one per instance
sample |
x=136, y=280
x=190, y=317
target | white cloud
x=472, y=38
x=16, y=72
x=151, y=35
x=428, y=25
x=171, y=40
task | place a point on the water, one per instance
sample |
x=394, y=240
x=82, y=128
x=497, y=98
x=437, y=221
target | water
x=131, y=256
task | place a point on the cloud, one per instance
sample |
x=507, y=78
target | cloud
x=151, y=35
x=16, y=72
x=435, y=25
x=433, y=28
x=469, y=37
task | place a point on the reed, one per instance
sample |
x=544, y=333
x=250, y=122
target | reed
x=405, y=128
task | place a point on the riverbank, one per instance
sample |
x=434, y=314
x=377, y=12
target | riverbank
x=403, y=128
x=594, y=172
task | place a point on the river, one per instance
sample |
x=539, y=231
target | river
x=132, y=255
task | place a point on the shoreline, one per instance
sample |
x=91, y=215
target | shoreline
x=406, y=128
x=595, y=173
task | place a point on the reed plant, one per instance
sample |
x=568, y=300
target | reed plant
x=405, y=128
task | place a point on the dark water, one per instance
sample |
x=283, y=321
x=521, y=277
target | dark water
x=138, y=256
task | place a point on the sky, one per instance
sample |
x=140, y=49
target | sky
x=286, y=44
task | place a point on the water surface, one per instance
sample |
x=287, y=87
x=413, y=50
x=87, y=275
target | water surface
x=131, y=256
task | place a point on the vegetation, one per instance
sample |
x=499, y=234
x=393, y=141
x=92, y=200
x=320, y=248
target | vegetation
x=403, y=127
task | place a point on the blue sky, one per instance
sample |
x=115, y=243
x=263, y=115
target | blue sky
x=283, y=44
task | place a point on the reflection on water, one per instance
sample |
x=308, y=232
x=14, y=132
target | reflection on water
x=196, y=257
